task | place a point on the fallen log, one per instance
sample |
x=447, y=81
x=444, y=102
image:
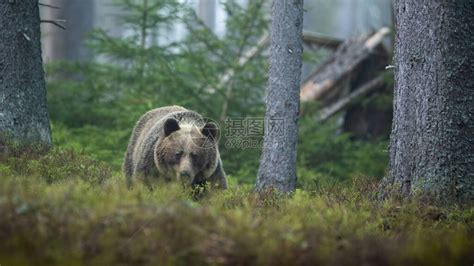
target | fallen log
x=344, y=102
x=330, y=76
x=321, y=40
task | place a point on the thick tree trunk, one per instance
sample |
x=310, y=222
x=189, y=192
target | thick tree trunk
x=432, y=141
x=278, y=161
x=23, y=110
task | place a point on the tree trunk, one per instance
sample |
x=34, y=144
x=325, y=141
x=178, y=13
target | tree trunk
x=278, y=161
x=23, y=110
x=67, y=44
x=432, y=141
x=206, y=10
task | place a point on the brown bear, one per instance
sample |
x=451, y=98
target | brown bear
x=173, y=143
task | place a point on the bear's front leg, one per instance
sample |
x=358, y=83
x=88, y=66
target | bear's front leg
x=218, y=178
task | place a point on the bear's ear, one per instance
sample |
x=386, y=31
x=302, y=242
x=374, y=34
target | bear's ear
x=210, y=130
x=171, y=125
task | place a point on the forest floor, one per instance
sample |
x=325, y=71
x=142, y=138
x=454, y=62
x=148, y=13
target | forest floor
x=62, y=208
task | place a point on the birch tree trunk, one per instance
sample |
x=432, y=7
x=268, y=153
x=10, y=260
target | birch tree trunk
x=432, y=140
x=278, y=162
x=23, y=110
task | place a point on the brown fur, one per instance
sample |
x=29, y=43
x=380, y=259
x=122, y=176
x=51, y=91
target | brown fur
x=173, y=143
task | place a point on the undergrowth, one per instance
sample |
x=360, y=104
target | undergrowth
x=63, y=208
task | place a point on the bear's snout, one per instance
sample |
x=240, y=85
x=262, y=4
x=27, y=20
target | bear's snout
x=186, y=177
x=185, y=174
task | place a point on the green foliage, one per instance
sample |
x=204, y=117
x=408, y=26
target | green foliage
x=56, y=165
x=69, y=221
x=322, y=153
x=105, y=144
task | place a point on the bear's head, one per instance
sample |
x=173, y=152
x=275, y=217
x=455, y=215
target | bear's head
x=187, y=153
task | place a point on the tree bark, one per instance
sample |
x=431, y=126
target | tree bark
x=432, y=140
x=278, y=162
x=23, y=109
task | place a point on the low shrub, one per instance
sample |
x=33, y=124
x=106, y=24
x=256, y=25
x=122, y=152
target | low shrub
x=55, y=213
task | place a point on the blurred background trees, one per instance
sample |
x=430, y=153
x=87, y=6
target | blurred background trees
x=121, y=58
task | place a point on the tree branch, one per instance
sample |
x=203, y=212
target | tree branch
x=55, y=22
x=244, y=59
x=48, y=5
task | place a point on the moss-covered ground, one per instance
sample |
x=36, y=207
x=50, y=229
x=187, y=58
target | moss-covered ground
x=61, y=208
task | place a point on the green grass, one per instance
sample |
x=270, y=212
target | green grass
x=62, y=208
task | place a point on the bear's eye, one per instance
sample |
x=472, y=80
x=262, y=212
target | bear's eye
x=179, y=154
x=194, y=157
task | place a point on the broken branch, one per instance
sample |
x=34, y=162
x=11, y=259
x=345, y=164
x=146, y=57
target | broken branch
x=343, y=103
x=321, y=40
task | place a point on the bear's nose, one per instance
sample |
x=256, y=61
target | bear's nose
x=185, y=174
